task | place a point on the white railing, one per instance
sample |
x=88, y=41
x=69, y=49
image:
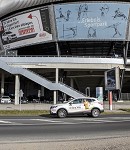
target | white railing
x=125, y=96
x=41, y=80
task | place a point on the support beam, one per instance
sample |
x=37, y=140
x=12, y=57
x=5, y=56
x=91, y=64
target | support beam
x=2, y=83
x=55, y=97
x=125, y=52
x=57, y=80
x=72, y=82
x=57, y=49
x=42, y=91
x=17, y=89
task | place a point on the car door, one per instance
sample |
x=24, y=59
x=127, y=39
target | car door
x=75, y=106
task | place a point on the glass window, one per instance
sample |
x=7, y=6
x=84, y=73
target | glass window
x=77, y=101
x=89, y=100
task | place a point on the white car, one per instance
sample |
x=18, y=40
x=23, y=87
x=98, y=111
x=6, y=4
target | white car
x=5, y=99
x=89, y=105
x=8, y=36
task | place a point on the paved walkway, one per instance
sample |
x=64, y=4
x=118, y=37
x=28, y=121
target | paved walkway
x=43, y=106
x=30, y=106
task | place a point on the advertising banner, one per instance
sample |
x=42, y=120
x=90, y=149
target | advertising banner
x=91, y=21
x=25, y=29
x=112, y=79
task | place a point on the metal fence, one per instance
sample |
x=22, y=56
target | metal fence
x=125, y=96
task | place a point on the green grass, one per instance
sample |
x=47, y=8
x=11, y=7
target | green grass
x=23, y=112
x=46, y=112
x=119, y=111
x=126, y=110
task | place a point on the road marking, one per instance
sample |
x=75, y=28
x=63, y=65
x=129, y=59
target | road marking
x=120, y=118
x=1, y=121
x=100, y=120
x=46, y=120
x=53, y=121
x=94, y=121
x=49, y=121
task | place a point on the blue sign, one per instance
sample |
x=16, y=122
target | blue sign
x=107, y=21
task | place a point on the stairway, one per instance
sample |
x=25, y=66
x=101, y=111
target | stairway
x=41, y=80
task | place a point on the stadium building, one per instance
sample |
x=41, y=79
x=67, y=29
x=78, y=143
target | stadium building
x=59, y=49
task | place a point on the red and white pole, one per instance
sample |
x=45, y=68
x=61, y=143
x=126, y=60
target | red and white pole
x=110, y=99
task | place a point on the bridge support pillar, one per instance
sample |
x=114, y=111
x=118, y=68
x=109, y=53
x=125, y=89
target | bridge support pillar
x=57, y=80
x=55, y=97
x=2, y=83
x=72, y=82
x=17, y=89
x=42, y=91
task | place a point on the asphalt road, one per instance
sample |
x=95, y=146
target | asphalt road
x=16, y=132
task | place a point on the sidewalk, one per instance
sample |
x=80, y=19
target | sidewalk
x=117, y=105
x=29, y=106
x=44, y=106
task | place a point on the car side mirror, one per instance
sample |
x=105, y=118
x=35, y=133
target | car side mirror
x=70, y=103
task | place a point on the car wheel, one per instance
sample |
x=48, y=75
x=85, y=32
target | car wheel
x=62, y=113
x=95, y=112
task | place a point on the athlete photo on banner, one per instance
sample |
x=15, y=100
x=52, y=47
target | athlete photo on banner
x=91, y=21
